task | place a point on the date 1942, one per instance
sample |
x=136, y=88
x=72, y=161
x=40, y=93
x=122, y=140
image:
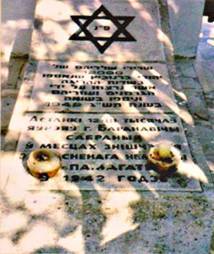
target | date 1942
x=101, y=178
x=84, y=178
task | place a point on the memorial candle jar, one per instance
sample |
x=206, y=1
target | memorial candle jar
x=43, y=164
x=163, y=159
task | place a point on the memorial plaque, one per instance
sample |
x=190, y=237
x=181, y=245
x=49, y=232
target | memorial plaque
x=106, y=151
x=95, y=30
x=92, y=87
x=100, y=147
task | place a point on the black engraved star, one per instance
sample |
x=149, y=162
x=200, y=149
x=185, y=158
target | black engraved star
x=102, y=42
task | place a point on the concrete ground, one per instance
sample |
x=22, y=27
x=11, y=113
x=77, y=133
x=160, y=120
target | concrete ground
x=120, y=222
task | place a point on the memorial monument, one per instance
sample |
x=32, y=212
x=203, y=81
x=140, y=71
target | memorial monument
x=101, y=98
x=109, y=149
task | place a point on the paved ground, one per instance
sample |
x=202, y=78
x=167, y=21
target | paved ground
x=120, y=222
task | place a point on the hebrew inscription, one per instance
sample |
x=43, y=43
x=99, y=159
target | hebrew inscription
x=103, y=88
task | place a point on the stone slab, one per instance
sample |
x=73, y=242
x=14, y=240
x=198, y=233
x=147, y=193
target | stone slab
x=205, y=74
x=93, y=87
x=103, y=151
x=185, y=24
x=128, y=135
x=17, y=18
x=120, y=31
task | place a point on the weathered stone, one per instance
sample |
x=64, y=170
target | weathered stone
x=190, y=83
x=210, y=162
x=17, y=26
x=197, y=152
x=16, y=67
x=2, y=137
x=7, y=105
x=187, y=69
x=198, y=107
x=206, y=74
x=209, y=99
x=211, y=115
x=212, y=244
x=184, y=16
x=206, y=137
x=4, y=72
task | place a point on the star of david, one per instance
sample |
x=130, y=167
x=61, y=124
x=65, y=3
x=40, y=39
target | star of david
x=120, y=22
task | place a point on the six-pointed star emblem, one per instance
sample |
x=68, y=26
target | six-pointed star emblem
x=120, y=22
